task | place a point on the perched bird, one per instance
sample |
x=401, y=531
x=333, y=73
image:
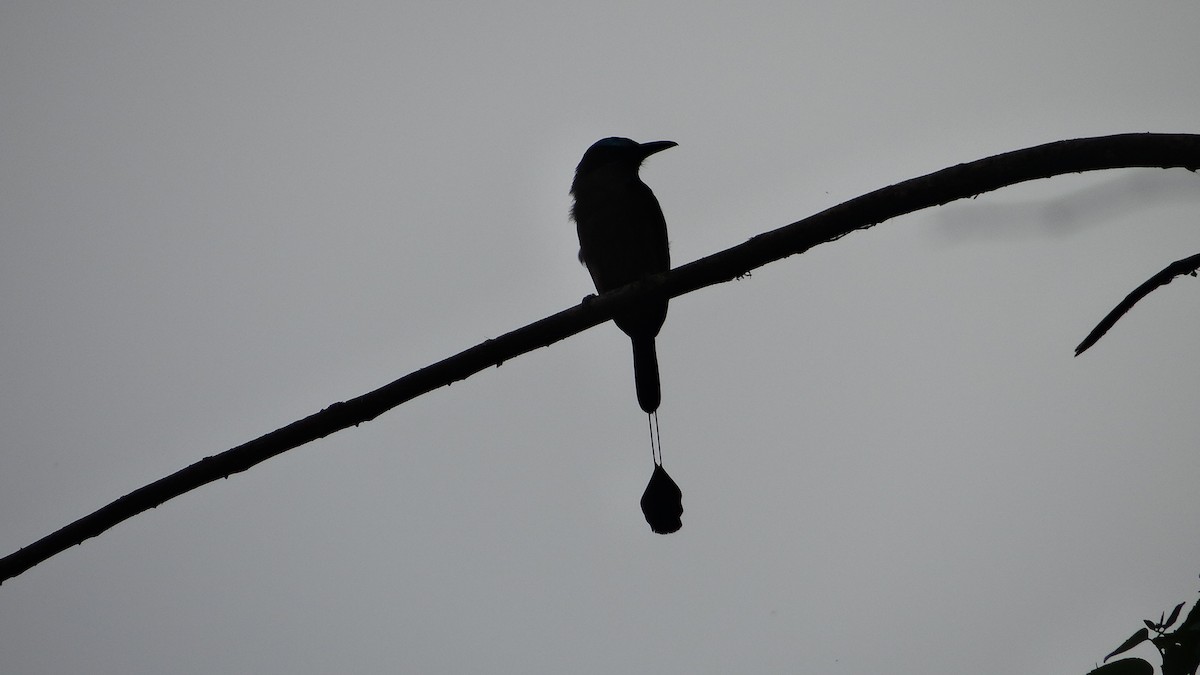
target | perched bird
x=622, y=239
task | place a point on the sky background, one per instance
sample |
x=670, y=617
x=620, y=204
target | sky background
x=219, y=217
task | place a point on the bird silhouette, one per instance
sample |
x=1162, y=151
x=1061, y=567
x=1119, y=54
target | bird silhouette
x=622, y=239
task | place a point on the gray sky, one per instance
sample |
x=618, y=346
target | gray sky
x=218, y=218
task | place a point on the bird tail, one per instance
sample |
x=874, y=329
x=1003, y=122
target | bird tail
x=645, y=374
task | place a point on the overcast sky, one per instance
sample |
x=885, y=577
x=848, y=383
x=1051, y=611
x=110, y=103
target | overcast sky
x=219, y=217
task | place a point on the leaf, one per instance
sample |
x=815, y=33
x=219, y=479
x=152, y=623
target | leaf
x=1174, y=615
x=1151, y=625
x=1133, y=641
x=1125, y=667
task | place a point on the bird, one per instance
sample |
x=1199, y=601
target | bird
x=623, y=239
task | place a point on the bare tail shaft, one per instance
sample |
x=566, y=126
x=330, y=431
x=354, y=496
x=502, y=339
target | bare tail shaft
x=645, y=374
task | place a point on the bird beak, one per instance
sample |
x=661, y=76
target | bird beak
x=656, y=146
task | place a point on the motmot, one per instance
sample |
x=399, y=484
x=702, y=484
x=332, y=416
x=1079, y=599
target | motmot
x=622, y=239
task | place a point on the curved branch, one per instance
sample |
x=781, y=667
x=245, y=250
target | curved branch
x=957, y=182
x=1188, y=265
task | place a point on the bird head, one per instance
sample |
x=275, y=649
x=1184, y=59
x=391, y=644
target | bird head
x=617, y=153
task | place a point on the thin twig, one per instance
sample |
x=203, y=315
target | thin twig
x=1188, y=265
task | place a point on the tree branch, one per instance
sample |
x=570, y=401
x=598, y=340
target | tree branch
x=1188, y=265
x=957, y=182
